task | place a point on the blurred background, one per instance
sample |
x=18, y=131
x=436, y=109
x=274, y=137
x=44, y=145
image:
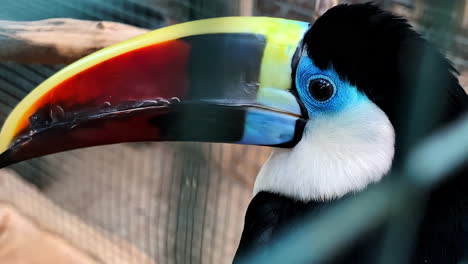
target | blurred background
x=175, y=202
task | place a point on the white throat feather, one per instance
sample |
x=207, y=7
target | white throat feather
x=338, y=154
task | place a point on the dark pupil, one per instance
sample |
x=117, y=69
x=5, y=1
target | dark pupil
x=321, y=89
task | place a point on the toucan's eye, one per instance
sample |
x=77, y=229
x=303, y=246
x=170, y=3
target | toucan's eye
x=321, y=89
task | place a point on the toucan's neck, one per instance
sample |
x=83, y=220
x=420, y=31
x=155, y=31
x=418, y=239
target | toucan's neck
x=337, y=155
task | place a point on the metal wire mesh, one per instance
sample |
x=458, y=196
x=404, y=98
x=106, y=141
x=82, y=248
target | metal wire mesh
x=185, y=202
x=178, y=202
x=402, y=197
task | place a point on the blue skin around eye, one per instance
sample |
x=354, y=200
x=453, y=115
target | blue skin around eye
x=263, y=127
x=345, y=94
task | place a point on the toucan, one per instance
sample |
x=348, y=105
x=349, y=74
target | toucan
x=327, y=96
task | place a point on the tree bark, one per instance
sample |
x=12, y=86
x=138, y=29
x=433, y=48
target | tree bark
x=56, y=41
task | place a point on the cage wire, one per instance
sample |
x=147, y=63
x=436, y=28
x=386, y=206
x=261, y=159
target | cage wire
x=397, y=203
x=178, y=202
x=185, y=202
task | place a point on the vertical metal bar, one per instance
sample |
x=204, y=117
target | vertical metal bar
x=465, y=15
x=246, y=7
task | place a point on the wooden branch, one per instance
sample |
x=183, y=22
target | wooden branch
x=41, y=232
x=464, y=80
x=21, y=241
x=55, y=41
x=63, y=40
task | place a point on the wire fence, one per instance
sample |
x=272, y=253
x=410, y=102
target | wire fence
x=402, y=197
x=186, y=201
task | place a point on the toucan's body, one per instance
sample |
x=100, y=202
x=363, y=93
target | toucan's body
x=328, y=96
x=442, y=235
x=270, y=216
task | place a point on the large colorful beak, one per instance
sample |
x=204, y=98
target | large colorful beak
x=216, y=80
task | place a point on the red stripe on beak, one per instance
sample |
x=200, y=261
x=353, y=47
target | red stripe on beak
x=157, y=71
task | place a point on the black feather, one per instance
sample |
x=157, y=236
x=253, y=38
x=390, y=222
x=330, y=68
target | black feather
x=270, y=215
x=383, y=56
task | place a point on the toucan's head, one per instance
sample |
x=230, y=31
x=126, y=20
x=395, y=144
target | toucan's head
x=326, y=95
